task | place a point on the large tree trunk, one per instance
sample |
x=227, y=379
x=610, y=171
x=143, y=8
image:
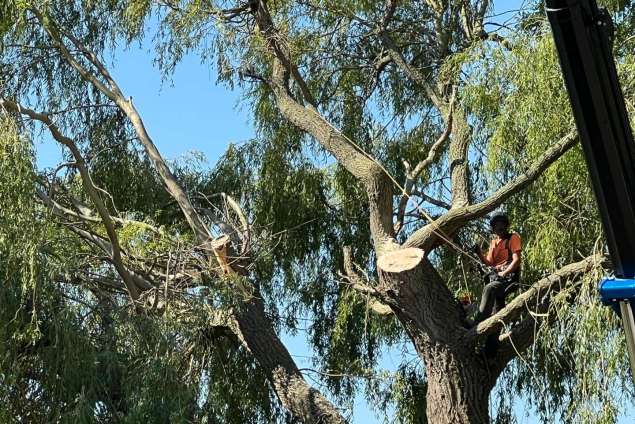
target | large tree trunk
x=459, y=381
x=458, y=388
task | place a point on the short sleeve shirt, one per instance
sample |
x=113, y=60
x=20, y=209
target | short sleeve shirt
x=497, y=254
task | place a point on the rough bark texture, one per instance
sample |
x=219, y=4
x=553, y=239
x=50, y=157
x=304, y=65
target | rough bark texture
x=254, y=330
x=459, y=383
x=458, y=387
x=458, y=160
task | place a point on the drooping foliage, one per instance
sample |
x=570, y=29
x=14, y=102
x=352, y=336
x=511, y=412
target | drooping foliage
x=75, y=352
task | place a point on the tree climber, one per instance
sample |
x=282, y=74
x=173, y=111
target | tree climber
x=504, y=257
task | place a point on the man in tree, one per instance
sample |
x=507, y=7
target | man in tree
x=504, y=256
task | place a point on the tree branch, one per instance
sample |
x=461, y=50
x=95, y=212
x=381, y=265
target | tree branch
x=88, y=185
x=522, y=335
x=426, y=237
x=432, y=200
x=411, y=176
x=358, y=284
x=411, y=72
x=362, y=166
x=539, y=293
x=126, y=106
x=253, y=328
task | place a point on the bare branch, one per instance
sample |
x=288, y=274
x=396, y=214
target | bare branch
x=432, y=200
x=115, y=94
x=411, y=72
x=358, y=284
x=411, y=177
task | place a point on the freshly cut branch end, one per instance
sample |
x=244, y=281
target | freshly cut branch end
x=400, y=260
x=220, y=251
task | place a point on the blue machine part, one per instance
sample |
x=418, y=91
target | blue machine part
x=614, y=289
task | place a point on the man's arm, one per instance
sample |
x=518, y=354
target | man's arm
x=513, y=266
x=484, y=258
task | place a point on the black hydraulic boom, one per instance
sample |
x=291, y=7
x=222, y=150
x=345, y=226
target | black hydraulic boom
x=583, y=35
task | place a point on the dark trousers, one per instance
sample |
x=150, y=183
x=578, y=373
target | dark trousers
x=493, y=297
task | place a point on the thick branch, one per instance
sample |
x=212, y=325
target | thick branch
x=254, y=330
x=521, y=336
x=126, y=106
x=366, y=169
x=459, y=169
x=426, y=237
x=539, y=293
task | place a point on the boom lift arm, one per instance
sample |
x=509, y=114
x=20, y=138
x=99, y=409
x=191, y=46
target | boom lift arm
x=583, y=35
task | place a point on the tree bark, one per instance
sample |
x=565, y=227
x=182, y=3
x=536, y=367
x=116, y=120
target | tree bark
x=253, y=328
x=459, y=381
x=458, y=387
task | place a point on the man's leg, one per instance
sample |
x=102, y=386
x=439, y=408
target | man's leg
x=491, y=292
x=499, y=302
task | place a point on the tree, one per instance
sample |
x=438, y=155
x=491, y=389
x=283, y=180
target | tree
x=386, y=132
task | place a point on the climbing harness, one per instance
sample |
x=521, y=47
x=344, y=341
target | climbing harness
x=583, y=35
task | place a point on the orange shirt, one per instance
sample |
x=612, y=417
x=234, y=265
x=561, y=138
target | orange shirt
x=497, y=254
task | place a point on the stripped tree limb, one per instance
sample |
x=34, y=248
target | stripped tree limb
x=114, y=93
x=427, y=236
x=244, y=232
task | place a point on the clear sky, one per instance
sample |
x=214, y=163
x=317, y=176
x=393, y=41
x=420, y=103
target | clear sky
x=193, y=114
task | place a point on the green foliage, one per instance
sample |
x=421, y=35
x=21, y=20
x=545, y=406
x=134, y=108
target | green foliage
x=75, y=353
x=576, y=369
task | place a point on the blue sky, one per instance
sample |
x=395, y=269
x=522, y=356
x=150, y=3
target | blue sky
x=191, y=113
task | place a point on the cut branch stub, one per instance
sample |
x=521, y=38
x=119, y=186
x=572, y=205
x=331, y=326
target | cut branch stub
x=219, y=246
x=399, y=261
x=418, y=295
